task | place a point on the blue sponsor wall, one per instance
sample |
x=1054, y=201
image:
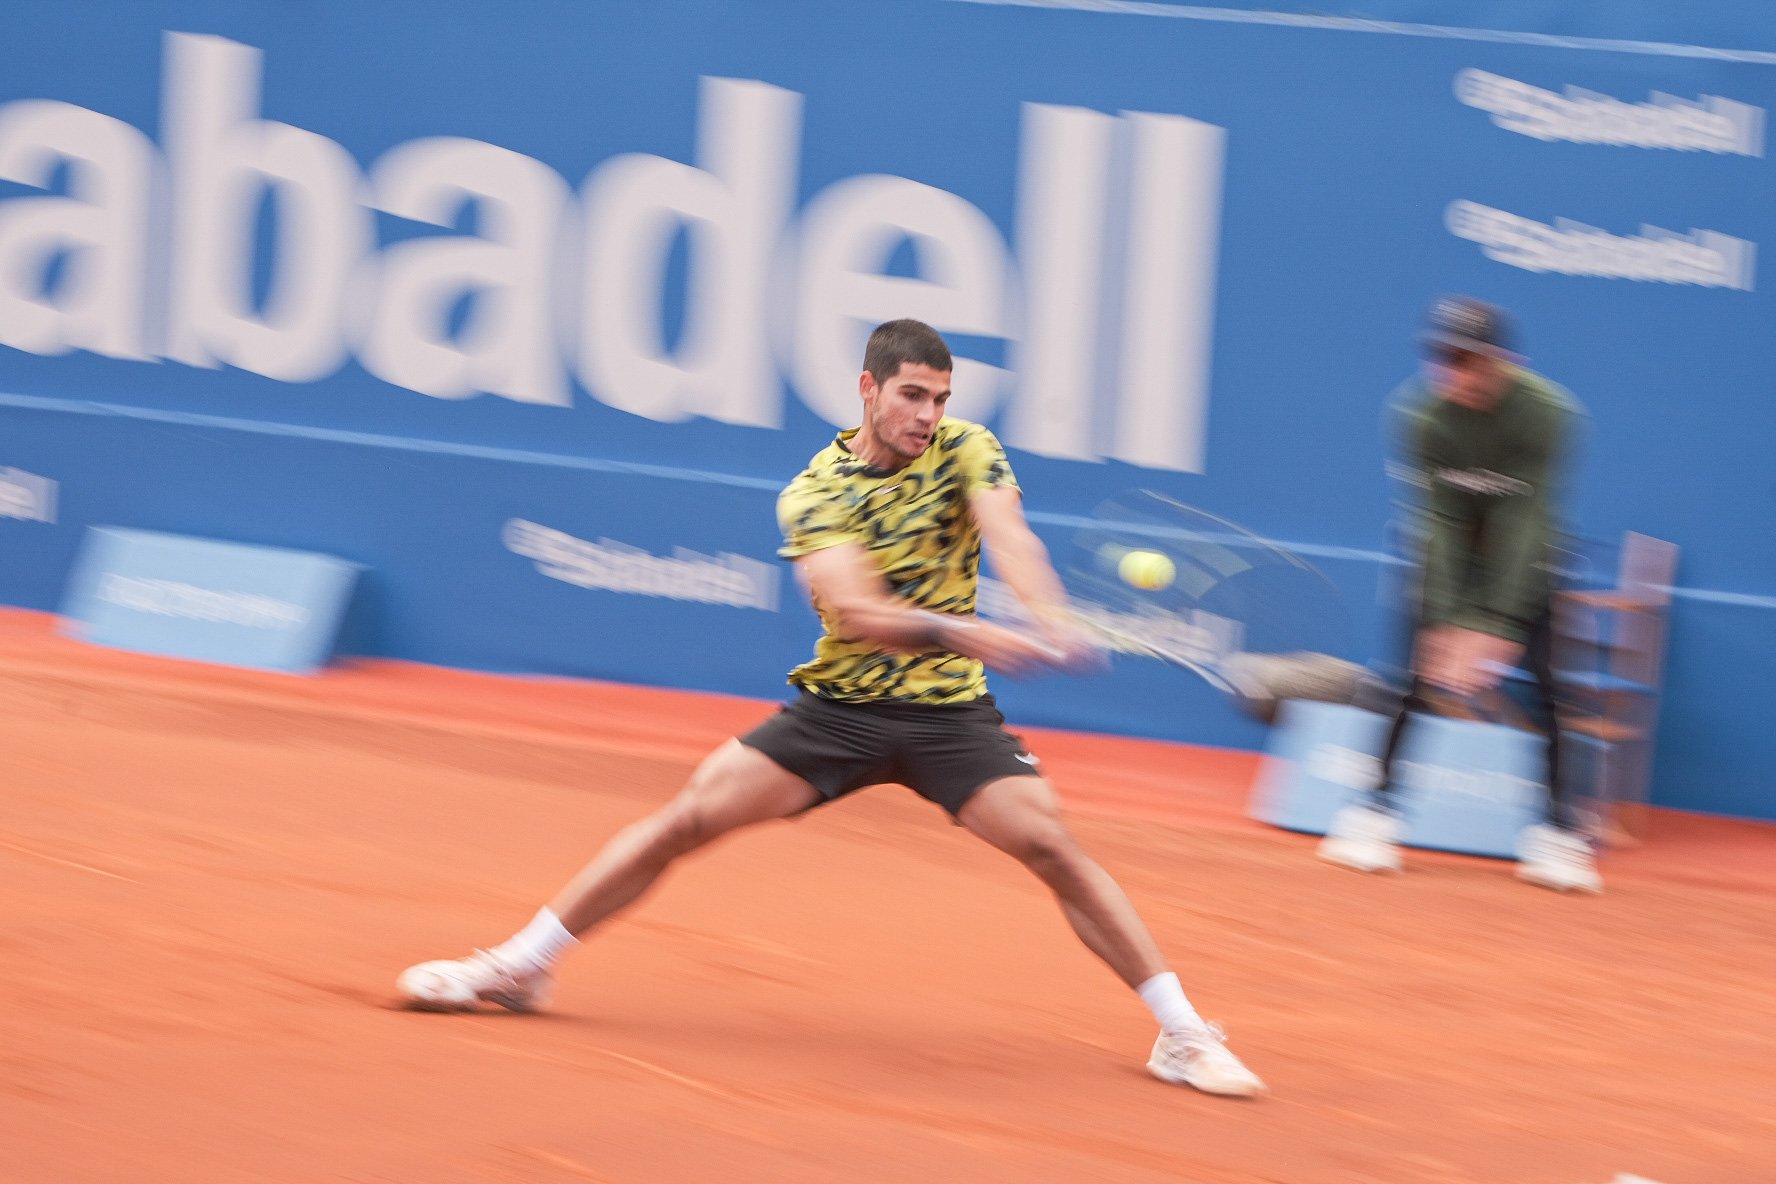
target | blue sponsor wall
x=529, y=311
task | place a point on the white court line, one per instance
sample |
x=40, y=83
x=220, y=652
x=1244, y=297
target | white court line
x=85, y=867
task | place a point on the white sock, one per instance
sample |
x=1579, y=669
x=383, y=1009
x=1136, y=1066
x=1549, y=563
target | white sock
x=1164, y=997
x=537, y=945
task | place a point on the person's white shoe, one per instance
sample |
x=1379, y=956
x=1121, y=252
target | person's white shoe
x=1202, y=1061
x=1364, y=839
x=1559, y=859
x=463, y=984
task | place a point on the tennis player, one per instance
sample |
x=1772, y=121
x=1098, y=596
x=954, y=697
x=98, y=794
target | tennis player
x=885, y=527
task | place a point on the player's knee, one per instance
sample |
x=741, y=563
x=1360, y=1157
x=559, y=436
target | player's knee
x=1048, y=850
x=679, y=828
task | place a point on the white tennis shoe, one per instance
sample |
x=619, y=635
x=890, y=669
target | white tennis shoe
x=464, y=984
x=1364, y=839
x=1201, y=1060
x=1559, y=859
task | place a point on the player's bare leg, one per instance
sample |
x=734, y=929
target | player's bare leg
x=1021, y=816
x=734, y=787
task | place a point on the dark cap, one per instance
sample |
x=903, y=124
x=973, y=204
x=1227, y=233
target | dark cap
x=1461, y=322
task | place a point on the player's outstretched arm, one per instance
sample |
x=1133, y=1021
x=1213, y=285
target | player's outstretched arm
x=1019, y=558
x=847, y=587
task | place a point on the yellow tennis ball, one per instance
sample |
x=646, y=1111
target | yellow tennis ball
x=1147, y=570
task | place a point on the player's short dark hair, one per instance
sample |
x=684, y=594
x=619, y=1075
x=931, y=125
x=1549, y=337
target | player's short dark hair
x=898, y=343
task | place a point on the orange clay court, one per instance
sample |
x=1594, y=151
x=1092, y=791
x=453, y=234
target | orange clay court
x=212, y=877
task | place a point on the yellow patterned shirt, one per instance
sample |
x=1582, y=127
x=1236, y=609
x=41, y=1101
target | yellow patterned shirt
x=916, y=526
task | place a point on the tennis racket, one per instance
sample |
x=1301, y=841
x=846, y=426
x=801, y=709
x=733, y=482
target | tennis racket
x=1153, y=578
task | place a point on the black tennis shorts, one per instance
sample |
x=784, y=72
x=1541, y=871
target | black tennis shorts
x=942, y=752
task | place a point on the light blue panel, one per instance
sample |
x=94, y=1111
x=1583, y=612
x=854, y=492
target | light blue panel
x=1463, y=786
x=1470, y=787
x=229, y=603
x=1319, y=755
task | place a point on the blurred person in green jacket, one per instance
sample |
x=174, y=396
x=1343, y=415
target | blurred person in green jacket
x=1487, y=443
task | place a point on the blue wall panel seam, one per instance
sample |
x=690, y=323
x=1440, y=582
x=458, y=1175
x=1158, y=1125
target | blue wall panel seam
x=1346, y=24
x=664, y=472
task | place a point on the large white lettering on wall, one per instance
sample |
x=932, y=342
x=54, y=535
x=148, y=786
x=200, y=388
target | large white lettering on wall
x=1116, y=214
x=102, y=225
x=222, y=159
x=406, y=291
x=1164, y=298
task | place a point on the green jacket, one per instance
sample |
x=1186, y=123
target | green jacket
x=1489, y=485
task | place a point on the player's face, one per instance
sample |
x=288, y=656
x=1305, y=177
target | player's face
x=1464, y=377
x=902, y=413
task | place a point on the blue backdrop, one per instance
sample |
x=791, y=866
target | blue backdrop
x=532, y=310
